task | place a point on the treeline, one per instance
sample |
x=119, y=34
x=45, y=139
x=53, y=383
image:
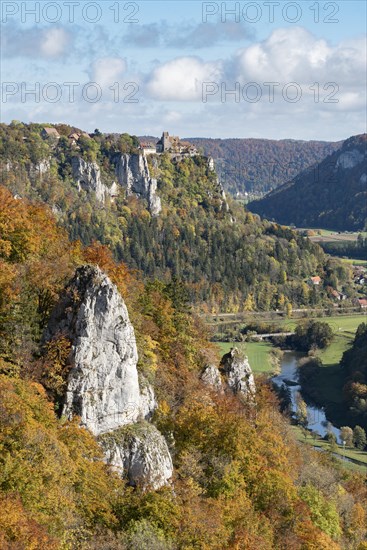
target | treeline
x=351, y=249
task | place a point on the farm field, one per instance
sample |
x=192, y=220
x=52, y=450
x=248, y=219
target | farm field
x=339, y=323
x=330, y=379
x=344, y=328
x=327, y=235
x=353, y=261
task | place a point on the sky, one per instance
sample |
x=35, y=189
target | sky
x=260, y=69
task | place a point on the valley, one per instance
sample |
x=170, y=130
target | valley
x=329, y=383
x=183, y=320
x=126, y=278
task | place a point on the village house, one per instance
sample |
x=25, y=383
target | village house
x=315, y=281
x=75, y=136
x=360, y=279
x=48, y=132
x=362, y=302
x=148, y=148
x=336, y=294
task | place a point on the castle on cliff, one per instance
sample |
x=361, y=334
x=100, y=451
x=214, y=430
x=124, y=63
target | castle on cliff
x=170, y=144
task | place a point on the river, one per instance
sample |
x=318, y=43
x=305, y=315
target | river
x=317, y=420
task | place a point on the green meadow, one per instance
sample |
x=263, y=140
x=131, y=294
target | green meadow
x=257, y=353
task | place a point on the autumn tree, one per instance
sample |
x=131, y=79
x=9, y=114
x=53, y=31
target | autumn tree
x=346, y=435
x=359, y=438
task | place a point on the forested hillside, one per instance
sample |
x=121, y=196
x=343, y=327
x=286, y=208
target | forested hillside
x=240, y=480
x=257, y=166
x=229, y=258
x=330, y=195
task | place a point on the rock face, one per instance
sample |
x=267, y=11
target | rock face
x=350, y=159
x=148, y=403
x=132, y=172
x=211, y=166
x=238, y=373
x=35, y=170
x=103, y=385
x=211, y=377
x=40, y=168
x=141, y=452
x=87, y=176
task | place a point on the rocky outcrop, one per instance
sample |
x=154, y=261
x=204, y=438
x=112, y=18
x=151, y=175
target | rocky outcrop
x=87, y=176
x=34, y=170
x=140, y=453
x=103, y=386
x=211, y=166
x=238, y=374
x=148, y=402
x=211, y=377
x=132, y=172
x=39, y=169
x=350, y=159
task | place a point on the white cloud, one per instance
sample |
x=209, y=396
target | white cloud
x=107, y=70
x=175, y=84
x=47, y=43
x=296, y=55
x=181, y=79
x=54, y=42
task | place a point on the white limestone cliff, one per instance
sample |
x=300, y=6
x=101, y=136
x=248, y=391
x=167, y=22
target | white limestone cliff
x=238, y=373
x=211, y=377
x=350, y=159
x=87, y=176
x=103, y=386
x=132, y=172
x=140, y=453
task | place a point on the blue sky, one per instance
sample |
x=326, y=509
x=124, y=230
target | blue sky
x=272, y=69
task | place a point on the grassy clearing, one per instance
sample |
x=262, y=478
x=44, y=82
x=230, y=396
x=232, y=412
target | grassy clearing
x=353, y=261
x=330, y=379
x=354, y=454
x=329, y=235
x=344, y=329
x=257, y=353
x=339, y=324
x=333, y=353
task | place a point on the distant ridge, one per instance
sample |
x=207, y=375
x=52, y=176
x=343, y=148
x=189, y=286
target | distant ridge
x=331, y=194
x=257, y=166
